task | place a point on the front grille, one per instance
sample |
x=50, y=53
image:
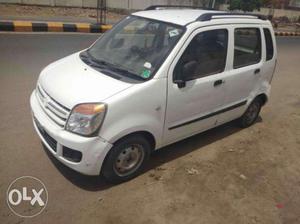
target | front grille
x=51, y=141
x=55, y=111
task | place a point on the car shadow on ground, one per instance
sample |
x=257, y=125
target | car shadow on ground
x=158, y=158
x=196, y=142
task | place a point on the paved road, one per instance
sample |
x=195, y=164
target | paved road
x=267, y=154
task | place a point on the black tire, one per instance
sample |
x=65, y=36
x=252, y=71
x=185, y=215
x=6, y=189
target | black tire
x=251, y=114
x=114, y=166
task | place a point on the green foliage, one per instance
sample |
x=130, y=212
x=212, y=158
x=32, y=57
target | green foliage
x=245, y=5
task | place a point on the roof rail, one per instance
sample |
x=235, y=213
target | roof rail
x=208, y=16
x=154, y=7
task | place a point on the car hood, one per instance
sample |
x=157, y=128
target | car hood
x=70, y=81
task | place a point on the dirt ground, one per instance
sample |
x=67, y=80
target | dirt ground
x=225, y=175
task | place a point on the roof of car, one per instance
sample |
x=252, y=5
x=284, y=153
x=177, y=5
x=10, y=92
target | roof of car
x=179, y=16
x=176, y=16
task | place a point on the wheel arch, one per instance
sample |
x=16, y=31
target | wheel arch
x=146, y=134
x=263, y=98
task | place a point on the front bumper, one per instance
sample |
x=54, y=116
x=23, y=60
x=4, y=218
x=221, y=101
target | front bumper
x=93, y=149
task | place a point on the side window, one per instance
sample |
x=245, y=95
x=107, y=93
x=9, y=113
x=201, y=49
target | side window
x=205, y=55
x=247, y=47
x=269, y=44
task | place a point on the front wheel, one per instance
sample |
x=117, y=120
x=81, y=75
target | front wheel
x=126, y=159
x=251, y=114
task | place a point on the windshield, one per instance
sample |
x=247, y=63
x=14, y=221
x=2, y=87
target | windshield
x=136, y=46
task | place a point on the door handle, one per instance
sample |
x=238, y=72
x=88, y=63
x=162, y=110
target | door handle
x=218, y=82
x=256, y=71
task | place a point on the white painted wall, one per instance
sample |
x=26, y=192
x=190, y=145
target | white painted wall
x=121, y=4
x=291, y=14
x=139, y=4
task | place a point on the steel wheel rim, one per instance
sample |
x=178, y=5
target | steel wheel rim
x=129, y=160
x=252, y=113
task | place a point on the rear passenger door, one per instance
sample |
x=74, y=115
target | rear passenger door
x=270, y=55
x=246, y=63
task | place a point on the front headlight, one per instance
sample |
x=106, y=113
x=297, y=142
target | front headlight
x=85, y=119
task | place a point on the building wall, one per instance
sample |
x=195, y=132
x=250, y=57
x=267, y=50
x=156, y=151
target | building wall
x=295, y=3
x=120, y=4
x=291, y=14
x=141, y=4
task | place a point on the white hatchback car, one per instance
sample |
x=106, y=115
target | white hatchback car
x=159, y=76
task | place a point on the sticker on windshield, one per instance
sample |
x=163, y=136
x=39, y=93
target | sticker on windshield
x=147, y=65
x=173, y=33
x=146, y=74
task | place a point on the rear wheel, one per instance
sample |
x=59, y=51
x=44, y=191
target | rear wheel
x=126, y=159
x=251, y=114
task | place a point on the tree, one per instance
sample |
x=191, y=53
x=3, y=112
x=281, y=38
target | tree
x=245, y=5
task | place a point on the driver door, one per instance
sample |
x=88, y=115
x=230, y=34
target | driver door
x=192, y=106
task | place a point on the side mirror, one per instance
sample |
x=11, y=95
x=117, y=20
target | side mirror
x=180, y=83
x=187, y=73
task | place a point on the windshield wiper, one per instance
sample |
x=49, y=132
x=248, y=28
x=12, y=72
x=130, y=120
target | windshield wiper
x=126, y=72
x=94, y=62
x=109, y=66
